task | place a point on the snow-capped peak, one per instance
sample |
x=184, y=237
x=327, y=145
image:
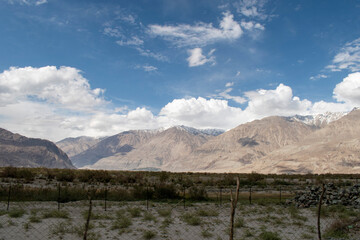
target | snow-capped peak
x=319, y=120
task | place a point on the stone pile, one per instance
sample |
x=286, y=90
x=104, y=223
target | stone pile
x=347, y=196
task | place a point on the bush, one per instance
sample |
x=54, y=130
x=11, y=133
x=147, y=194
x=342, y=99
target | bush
x=197, y=193
x=65, y=175
x=165, y=191
x=149, y=234
x=269, y=236
x=191, y=219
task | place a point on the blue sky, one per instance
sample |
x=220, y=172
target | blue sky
x=70, y=68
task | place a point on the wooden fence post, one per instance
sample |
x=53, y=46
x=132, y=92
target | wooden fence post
x=8, y=200
x=88, y=217
x=233, y=207
x=319, y=210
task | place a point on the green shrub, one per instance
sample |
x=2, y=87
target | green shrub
x=191, y=219
x=269, y=236
x=120, y=223
x=207, y=212
x=197, y=193
x=55, y=214
x=16, y=213
x=134, y=212
x=165, y=191
x=164, y=212
x=206, y=234
x=149, y=234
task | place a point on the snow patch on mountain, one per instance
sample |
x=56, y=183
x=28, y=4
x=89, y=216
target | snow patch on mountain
x=319, y=120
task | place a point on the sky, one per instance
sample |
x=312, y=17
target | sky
x=71, y=68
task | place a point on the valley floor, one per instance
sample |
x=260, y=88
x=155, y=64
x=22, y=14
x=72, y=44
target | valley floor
x=154, y=220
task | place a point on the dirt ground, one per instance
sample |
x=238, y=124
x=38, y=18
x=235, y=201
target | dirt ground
x=133, y=220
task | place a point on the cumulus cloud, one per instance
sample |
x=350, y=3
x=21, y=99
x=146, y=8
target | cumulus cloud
x=199, y=34
x=348, y=58
x=64, y=87
x=276, y=102
x=348, y=90
x=201, y=113
x=196, y=57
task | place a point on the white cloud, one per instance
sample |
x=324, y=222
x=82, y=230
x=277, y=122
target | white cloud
x=348, y=58
x=112, y=32
x=64, y=87
x=348, y=90
x=252, y=8
x=28, y=2
x=199, y=34
x=229, y=84
x=148, y=68
x=196, y=57
x=148, y=53
x=251, y=26
x=201, y=113
x=134, y=41
x=225, y=94
x=238, y=74
x=319, y=76
x=276, y=102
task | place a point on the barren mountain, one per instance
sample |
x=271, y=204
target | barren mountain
x=163, y=148
x=74, y=146
x=240, y=147
x=20, y=151
x=121, y=144
x=334, y=149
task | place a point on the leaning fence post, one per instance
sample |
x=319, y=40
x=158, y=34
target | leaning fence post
x=220, y=196
x=184, y=196
x=105, y=197
x=280, y=194
x=147, y=197
x=319, y=210
x=8, y=200
x=58, y=199
x=233, y=207
x=250, y=195
x=88, y=217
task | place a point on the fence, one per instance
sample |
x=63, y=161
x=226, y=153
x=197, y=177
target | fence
x=260, y=214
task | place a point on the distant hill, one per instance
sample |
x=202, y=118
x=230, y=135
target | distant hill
x=20, y=151
x=74, y=146
x=161, y=149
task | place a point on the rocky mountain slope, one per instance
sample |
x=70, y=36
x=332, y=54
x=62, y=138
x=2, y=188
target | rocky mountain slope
x=243, y=145
x=74, y=146
x=121, y=144
x=162, y=149
x=332, y=149
x=20, y=151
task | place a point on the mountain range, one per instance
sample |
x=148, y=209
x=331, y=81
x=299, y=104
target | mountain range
x=324, y=143
x=298, y=144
